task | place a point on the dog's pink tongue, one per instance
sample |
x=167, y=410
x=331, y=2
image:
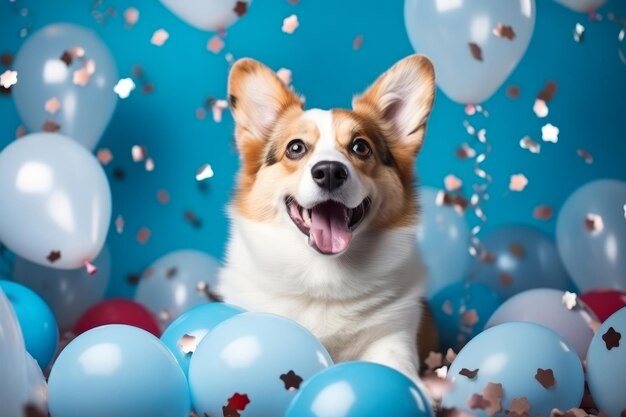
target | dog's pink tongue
x=329, y=228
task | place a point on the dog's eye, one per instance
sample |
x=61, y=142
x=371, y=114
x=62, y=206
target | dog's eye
x=296, y=149
x=361, y=148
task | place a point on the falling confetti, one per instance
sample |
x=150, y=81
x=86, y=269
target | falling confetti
x=163, y=197
x=625, y=211
x=541, y=108
x=50, y=126
x=550, y=133
x=548, y=91
x=20, y=131
x=517, y=250
x=290, y=24
x=506, y=279
x=450, y=356
x=452, y=182
x=471, y=374
x=545, y=377
x=442, y=372
x=586, y=156
x=465, y=152
x=285, y=76
x=215, y=44
x=187, y=344
x=104, y=156
x=357, y=43
x=149, y=165
x=493, y=393
x=504, y=31
x=594, y=223
x=159, y=37
x=192, y=219
x=238, y=402
x=204, y=172
x=8, y=78
x=447, y=308
x=434, y=360
x=119, y=224
x=204, y=288
x=513, y=91
x=529, y=143
x=52, y=105
x=579, y=33
x=477, y=401
x=131, y=16
x=291, y=380
x=543, y=212
x=218, y=108
x=53, y=256
x=143, y=235
x=470, y=317
x=611, y=338
x=570, y=300
x=476, y=52
x=241, y=8
x=138, y=153
x=519, y=406
x=124, y=87
x=200, y=113
x=518, y=182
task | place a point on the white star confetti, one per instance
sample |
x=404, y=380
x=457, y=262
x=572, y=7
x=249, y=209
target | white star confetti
x=452, y=182
x=204, y=172
x=285, y=76
x=518, y=182
x=540, y=108
x=442, y=372
x=124, y=87
x=215, y=44
x=529, y=143
x=550, y=133
x=579, y=32
x=159, y=37
x=570, y=300
x=217, y=108
x=8, y=78
x=149, y=165
x=138, y=153
x=188, y=344
x=52, y=105
x=290, y=24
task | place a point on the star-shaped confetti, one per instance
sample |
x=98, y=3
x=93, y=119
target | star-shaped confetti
x=550, y=133
x=104, y=156
x=518, y=182
x=519, y=406
x=470, y=317
x=52, y=105
x=579, y=32
x=238, y=402
x=204, y=172
x=475, y=50
x=291, y=380
x=471, y=374
x=594, y=223
x=290, y=24
x=545, y=377
x=541, y=108
x=493, y=393
x=477, y=401
x=53, y=256
x=215, y=44
x=611, y=338
x=124, y=87
x=241, y=8
x=159, y=37
x=570, y=300
x=8, y=78
x=442, y=372
x=187, y=344
x=82, y=76
x=452, y=182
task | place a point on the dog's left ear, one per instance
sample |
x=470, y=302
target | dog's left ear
x=402, y=99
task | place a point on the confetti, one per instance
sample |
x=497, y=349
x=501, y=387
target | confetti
x=548, y=91
x=570, y=300
x=611, y=338
x=67, y=58
x=529, y=143
x=192, y=219
x=204, y=172
x=545, y=377
x=519, y=406
x=8, y=78
x=550, y=133
x=171, y=272
x=215, y=44
x=119, y=224
x=506, y=279
x=290, y=24
x=579, y=33
x=6, y=59
x=285, y=76
x=442, y=372
x=450, y=356
x=238, y=402
x=543, y=212
x=52, y=105
x=518, y=182
x=124, y=87
x=20, y=131
x=434, y=360
x=83, y=75
x=165, y=315
x=470, y=110
x=447, y=308
x=493, y=393
x=468, y=373
x=90, y=268
x=200, y=113
x=131, y=16
x=143, y=235
x=203, y=287
x=476, y=52
x=586, y=156
x=504, y=31
x=53, y=256
x=218, y=108
x=187, y=344
x=291, y=380
x=513, y=91
x=465, y=152
x=452, y=182
x=50, y=126
x=540, y=108
x=77, y=52
x=163, y=197
x=357, y=43
x=104, y=156
x=159, y=37
x=138, y=153
x=625, y=211
x=594, y=223
x=470, y=317
x=241, y=8
x=517, y=250
x=477, y=401
x=149, y=165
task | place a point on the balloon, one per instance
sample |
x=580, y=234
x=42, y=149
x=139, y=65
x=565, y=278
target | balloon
x=117, y=370
x=359, y=389
x=527, y=359
x=68, y=292
x=57, y=88
x=253, y=362
x=584, y=6
x=187, y=331
x=118, y=311
x=471, y=62
x=211, y=15
x=548, y=307
x=606, y=365
x=444, y=239
x=519, y=258
x=170, y=285
x=56, y=202
x=37, y=322
x=591, y=235
x=36, y=387
x=604, y=302
x=461, y=311
x=12, y=361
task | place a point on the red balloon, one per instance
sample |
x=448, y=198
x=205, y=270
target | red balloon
x=118, y=311
x=604, y=302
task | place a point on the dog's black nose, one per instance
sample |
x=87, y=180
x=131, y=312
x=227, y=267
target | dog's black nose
x=329, y=175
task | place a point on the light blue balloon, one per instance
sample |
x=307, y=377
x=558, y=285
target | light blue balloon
x=68, y=292
x=513, y=354
x=443, y=30
x=606, y=365
x=36, y=386
x=170, y=285
x=594, y=254
x=359, y=389
x=39, y=327
x=521, y=258
x=84, y=111
x=196, y=323
x=117, y=370
x=253, y=361
x=443, y=237
x=56, y=201
x=461, y=311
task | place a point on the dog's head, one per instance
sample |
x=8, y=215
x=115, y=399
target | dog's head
x=330, y=174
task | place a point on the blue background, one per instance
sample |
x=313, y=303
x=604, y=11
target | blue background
x=589, y=108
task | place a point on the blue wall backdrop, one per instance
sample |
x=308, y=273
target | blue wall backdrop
x=589, y=108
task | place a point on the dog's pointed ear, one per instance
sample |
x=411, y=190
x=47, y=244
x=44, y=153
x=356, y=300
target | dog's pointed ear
x=402, y=99
x=257, y=97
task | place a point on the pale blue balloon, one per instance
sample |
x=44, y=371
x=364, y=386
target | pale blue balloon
x=195, y=323
x=444, y=29
x=117, y=370
x=169, y=286
x=359, y=389
x=55, y=201
x=85, y=110
x=443, y=237
x=520, y=258
x=256, y=361
x=68, y=292
x=591, y=235
x=606, y=365
x=514, y=354
x=36, y=386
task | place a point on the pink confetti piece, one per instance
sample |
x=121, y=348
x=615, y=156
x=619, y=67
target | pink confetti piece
x=218, y=108
x=104, y=155
x=159, y=37
x=285, y=76
x=204, y=172
x=529, y=143
x=77, y=52
x=540, y=108
x=550, y=133
x=124, y=87
x=447, y=307
x=119, y=224
x=83, y=75
x=149, y=165
x=452, y=182
x=357, y=43
x=290, y=24
x=138, y=153
x=586, y=156
x=90, y=268
x=163, y=197
x=543, y=212
x=215, y=44
x=52, y=105
x=579, y=33
x=143, y=235
x=470, y=110
x=8, y=78
x=518, y=182
x=131, y=16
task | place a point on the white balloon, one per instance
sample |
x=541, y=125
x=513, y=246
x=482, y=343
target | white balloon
x=54, y=199
x=585, y=6
x=205, y=14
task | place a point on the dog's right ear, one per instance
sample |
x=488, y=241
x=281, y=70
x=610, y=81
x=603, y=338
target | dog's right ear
x=257, y=97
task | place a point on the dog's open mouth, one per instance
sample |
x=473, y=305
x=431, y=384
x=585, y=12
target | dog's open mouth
x=329, y=225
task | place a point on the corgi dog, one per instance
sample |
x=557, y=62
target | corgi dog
x=323, y=219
